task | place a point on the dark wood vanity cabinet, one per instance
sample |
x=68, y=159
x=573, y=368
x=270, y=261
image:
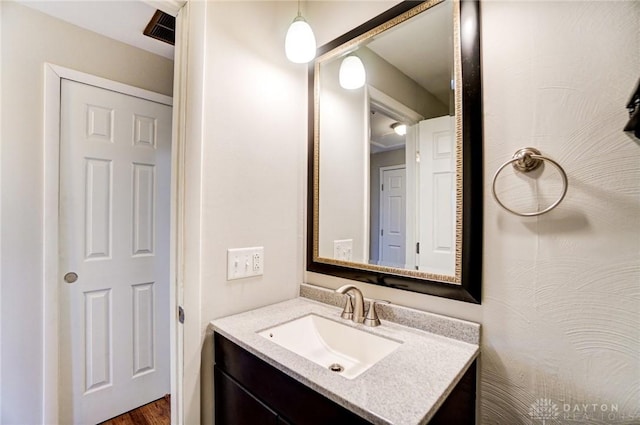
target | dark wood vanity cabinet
x=251, y=391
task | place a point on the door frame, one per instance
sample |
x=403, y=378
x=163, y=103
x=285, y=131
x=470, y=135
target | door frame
x=401, y=112
x=53, y=75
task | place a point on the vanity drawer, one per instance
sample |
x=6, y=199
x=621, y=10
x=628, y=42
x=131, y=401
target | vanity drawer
x=240, y=406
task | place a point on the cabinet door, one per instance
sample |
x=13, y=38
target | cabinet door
x=460, y=407
x=235, y=406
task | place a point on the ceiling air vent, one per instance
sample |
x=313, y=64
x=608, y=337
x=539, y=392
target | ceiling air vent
x=162, y=27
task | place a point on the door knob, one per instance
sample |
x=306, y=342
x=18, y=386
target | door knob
x=70, y=277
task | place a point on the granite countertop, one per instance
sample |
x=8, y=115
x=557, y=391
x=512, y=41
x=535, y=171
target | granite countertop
x=406, y=387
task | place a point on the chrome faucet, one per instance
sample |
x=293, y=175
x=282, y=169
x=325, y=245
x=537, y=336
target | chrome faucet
x=358, y=308
x=354, y=307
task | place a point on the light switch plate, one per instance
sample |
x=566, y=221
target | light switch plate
x=245, y=262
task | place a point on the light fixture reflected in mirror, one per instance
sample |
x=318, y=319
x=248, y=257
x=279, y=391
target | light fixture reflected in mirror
x=399, y=128
x=300, y=43
x=352, y=74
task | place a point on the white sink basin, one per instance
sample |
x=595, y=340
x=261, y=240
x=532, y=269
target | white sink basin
x=329, y=343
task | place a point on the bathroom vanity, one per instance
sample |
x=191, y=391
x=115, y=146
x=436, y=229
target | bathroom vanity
x=299, y=361
x=429, y=378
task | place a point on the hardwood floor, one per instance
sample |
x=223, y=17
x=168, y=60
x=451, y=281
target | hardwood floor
x=155, y=413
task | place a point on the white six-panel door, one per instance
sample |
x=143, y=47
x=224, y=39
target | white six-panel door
x=114, y=235
x=437, y=205
x=393, y=216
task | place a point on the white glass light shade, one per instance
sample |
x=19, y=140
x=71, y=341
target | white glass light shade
x=352, y=73
x=300, y=43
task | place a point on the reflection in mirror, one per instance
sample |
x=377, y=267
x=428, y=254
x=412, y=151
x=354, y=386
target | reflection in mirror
x=387, y=165
x=383, y=192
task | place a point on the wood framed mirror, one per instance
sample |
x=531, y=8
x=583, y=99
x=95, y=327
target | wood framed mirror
x=402, y=211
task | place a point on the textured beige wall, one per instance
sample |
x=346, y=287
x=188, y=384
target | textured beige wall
x=29, y=39
x=561, y=306
x=561, y=292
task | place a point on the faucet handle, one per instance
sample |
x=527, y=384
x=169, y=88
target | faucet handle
x=347, y=313
x=372, y=317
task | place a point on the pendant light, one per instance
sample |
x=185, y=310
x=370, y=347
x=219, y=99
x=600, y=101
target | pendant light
x=300, y=43
x=352, y=74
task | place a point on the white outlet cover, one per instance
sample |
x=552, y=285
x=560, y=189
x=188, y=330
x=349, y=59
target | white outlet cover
x=245, y=262
x=342, y=249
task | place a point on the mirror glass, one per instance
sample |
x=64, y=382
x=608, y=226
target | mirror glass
x=387, y=187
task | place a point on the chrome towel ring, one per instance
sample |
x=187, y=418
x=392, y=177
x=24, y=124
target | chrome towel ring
x=525, y=160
